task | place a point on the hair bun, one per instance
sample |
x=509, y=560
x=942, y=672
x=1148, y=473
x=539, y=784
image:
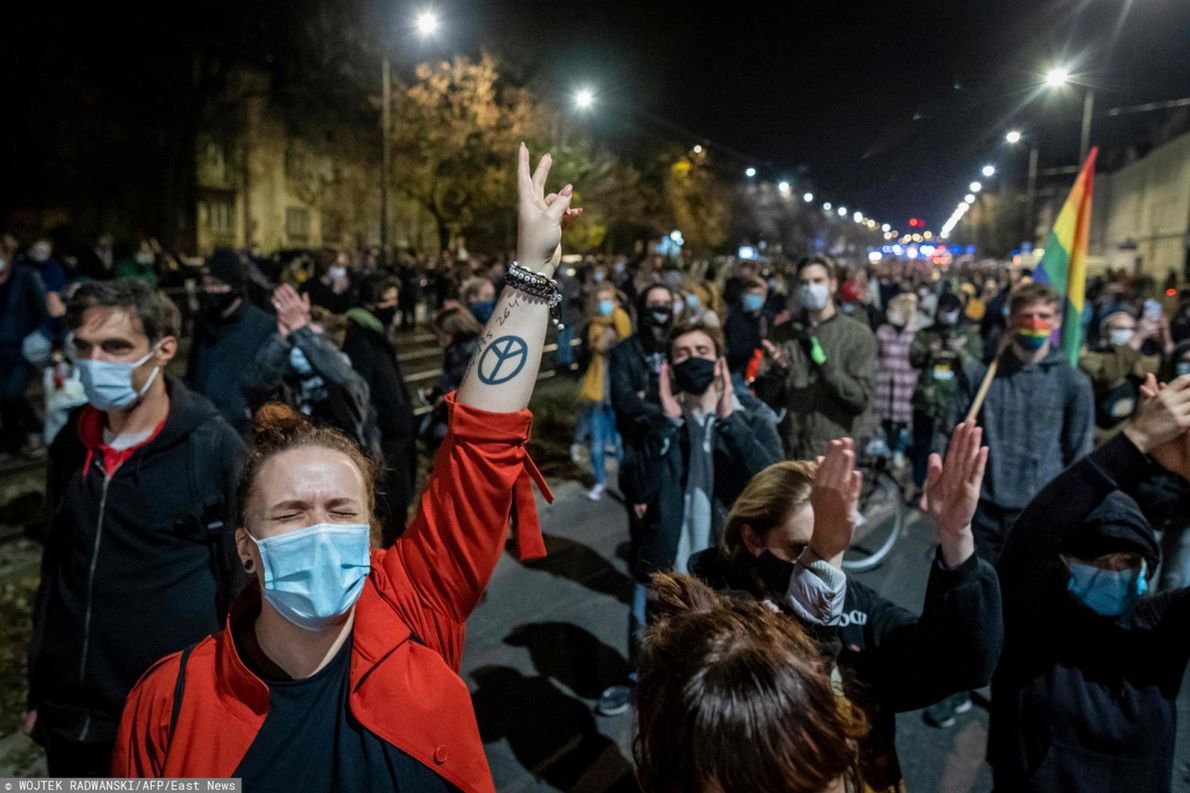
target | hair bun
x=279, y=419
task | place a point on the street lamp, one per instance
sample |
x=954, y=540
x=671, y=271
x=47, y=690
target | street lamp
x=842, y=212
x=826, y=205
x=969, y=198
x=697, y=149
x=750, y=172
x=807, y=197
x=1057, y=76
x=975, y=187
x=1013, y=136
x=584, y=98
x=988, y=171
x=426, y=24
x=783, y=187
x=1060, y=76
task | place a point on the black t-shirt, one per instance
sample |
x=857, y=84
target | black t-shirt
x=310, y=741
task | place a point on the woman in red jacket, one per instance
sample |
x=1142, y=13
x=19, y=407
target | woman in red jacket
x=337, y=669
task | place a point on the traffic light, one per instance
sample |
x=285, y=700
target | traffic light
x=916, y=223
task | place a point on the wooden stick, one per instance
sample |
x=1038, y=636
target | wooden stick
x=986, y=385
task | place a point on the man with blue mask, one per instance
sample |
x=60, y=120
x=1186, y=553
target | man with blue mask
x=829, y=361
x=137, y=560
x=1085, y=696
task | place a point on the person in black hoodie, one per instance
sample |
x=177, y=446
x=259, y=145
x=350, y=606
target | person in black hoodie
x=1084, y=698
x=784, y=542
x=458, y=333
x=227, y=337
x=300, y=366
x=143, y=473
x=375, y=358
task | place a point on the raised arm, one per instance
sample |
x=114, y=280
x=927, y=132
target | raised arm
x=501, y=375
x=483, y=475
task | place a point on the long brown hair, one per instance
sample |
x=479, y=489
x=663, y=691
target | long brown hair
x=279, y=428
x=734, y=697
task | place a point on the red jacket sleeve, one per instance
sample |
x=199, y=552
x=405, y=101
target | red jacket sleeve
x=143, y=737
x=437, y=571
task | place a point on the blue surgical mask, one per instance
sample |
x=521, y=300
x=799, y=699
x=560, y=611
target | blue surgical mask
x=753, y=302
x=813, y=297
x=482, y=310
x=1109, y=593
x=606, y=307
x=108, y=384
x=299, y=361
x=313, y=576
x=693, y=302
x=1182, y=368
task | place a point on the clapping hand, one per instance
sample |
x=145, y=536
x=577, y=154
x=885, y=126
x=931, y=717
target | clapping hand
x=293, y=310
x=952, y=491
x=835, y=499
x=669, y=403
x=726, y=404
x=1162, y=428
x=540, y=216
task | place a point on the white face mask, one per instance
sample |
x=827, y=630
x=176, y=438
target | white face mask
x=338, y=272
x=40, y=251
x=813, y=297
x=1120, y=336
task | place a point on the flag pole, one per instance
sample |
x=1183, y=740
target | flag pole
x=982, y=393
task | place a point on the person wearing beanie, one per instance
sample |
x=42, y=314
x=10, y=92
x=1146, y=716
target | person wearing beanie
x=1085, y=695
x=227, y=336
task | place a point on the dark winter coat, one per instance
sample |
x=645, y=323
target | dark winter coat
x=223, y=355
x=745, y=443
x=137, y=564
x=1082, y=702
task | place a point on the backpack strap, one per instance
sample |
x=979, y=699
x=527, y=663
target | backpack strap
x=179, y=690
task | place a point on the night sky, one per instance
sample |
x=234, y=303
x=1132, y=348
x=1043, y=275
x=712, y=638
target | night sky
x=888, y=107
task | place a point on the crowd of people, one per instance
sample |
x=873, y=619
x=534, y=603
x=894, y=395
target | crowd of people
x=231, y=583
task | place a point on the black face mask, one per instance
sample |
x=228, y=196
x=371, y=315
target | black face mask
x=214, y=304
x=776, y=573
x=694, y=375
x=385, y=315
x=661, y=317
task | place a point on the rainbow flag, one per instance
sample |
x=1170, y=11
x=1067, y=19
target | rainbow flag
x=1064, y=263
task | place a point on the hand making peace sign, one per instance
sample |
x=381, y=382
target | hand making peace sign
x=540, y=216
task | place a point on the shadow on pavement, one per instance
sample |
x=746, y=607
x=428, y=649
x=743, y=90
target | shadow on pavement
x=583, y=565
x=571, y=655
x=553, y=736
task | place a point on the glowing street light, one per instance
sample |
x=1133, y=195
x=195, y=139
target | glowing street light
x=827, y=206
x=750, y=172
x=886, y=228
x=969, y=198
x=842, y=212
x=426, y=23
x=988, y=170
x=1057, y=76
x=584, y=98
x=783, y=187
x=1013, y=136
x=807, y=197
x=858, y=217
x=975, y=187
x=697, y=149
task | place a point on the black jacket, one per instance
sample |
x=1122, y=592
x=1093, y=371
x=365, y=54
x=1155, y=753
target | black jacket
x=135, y=566
x=22, y=310
x=891, y=659
x=376, y=361
x=223, y=355
x=743, y=332
x=1082, y=702
x=332, y=394
x=745, y=443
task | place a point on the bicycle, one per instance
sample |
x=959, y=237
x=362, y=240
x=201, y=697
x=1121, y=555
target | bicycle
x=882, y=515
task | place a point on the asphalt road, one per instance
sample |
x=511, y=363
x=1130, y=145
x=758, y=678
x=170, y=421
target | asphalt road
x=552, y=634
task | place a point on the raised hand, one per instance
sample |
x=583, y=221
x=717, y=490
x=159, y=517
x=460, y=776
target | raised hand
x=726, y=404
x=1162, y=428
x=539, y=226
x=669, y=403
x=835, y=499
x=293, y=310
x=952, y=491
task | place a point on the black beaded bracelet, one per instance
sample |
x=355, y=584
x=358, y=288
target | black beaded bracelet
x=536, y=285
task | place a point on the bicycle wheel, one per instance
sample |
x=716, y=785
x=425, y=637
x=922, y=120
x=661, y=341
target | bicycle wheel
x=882, y=505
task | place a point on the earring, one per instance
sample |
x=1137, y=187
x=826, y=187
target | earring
x=248, y=565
